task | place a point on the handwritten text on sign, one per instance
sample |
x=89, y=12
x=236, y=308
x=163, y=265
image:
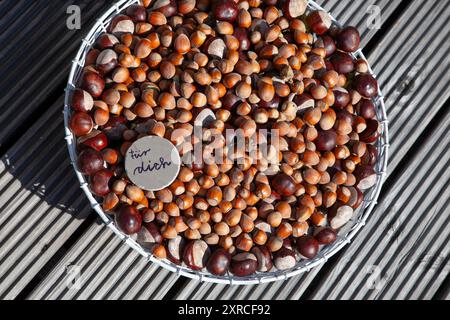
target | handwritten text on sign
x=152, y=163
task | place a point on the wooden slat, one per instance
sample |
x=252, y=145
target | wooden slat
x=446, y=295
x=352, y=13
x=103, y=259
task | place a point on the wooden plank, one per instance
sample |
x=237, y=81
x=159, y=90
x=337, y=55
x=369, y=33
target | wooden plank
x=102, y=259
x=446, y=296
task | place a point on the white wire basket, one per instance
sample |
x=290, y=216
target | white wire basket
x=345, y=235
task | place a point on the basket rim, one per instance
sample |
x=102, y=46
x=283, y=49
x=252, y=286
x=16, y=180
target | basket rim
x=303, y=265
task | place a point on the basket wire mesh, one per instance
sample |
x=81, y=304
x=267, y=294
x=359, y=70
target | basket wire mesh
x=345, y=235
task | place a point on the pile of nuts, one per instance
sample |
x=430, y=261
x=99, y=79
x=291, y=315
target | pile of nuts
x=257, y=64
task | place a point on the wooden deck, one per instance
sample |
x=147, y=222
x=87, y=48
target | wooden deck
x=47, y=228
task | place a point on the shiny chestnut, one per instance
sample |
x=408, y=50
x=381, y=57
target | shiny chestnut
x=219, y=262
x=307, y=246
x=129, y=220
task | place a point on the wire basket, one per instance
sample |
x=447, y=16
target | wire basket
x=345, y=235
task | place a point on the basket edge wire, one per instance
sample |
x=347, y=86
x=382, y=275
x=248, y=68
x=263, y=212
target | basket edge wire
x=302, y=266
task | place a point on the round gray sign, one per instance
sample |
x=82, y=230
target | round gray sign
x=152, y=163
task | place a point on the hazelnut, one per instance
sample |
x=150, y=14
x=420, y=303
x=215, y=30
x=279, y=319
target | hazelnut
x=244, y=242
x=182, y=44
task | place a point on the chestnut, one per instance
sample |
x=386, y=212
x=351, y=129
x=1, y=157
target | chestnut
x=263, y=257
x=327, y=43
x=326, y=140
x=366, y=109
x=366, y=177
x=105, y=41
x=371, y=156
x=307, y=246
x=121, y=24
x=284, y=184
x=82, y=101
x=244, y=264
x=219, y=262
x=341, y=97
x=137, y=13
x=242, y=35
x=372, y=132
x=225, y=10
x=93, y=83
x=81, y=124
x=96, y=140
x=129, y=220
x=294, y=8
x=90, y=161
x=100, y=182
x=107, y=61
x=342, y=62
x=339, y=214
x=348, y=39
x=304, y=101
x=149, y=235
x=284, y=259
x=319, y=21
x=175, y=249
x=196, y=254
x=366, y=85
x=356, y=198
x=167, y=8
x=115, y=128
x=326, y=236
